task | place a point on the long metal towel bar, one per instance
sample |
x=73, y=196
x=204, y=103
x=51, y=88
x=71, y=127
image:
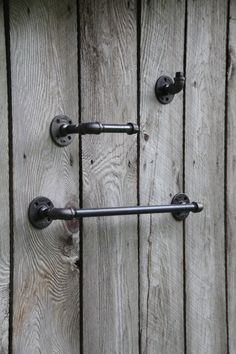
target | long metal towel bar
x=42, y=210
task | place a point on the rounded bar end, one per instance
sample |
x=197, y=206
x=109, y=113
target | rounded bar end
x=134, y=128
x=199, y=207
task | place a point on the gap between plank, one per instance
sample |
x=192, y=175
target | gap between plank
x=225, y=174
x=138, y=29
x=184, y=146
x=10, y=159
x=80, y=178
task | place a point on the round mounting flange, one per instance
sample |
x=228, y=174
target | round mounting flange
x=55, y=133
x=180, y=198
x=163, y=97
x=39, y=222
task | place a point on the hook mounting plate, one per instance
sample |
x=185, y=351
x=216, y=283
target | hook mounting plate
x=163, y=97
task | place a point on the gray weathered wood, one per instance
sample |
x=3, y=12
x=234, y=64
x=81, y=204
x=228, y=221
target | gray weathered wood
x=110, y=252
x=161, y=166
x=4, y=195
x=231, y=178
x=204, y=176
x=46, y=272
x=44, y=84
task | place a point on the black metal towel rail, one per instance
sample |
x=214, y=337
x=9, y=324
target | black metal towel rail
x=42, y=211
x=62, y=129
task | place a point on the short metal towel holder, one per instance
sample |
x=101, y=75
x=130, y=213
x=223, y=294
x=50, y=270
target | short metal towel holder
x=62, y=129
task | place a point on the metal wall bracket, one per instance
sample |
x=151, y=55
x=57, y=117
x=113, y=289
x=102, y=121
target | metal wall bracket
x=62, y=129
x=180, y=199
x=166, y=88
x=55, y=130
x=41, y=210
x=36, y=205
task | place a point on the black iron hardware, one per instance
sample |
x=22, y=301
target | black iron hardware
x=62, y=129
x=166, y=88
x=42, y=211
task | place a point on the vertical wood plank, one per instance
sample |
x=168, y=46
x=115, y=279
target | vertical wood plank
x=44, y=84
x=110, y=253
x=231, y=177
x=4, y=195
x=204, y=176
x=161, y=166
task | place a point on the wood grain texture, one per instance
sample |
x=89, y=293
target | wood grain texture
x=110, y=252
x=4, y=196
x=231, y=177
x=44, y=84
x=204, y=176
x=161, y=166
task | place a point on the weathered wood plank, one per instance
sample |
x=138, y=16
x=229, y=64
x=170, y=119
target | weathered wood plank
x=4, y=195
x=231, y=178
x=161, y=166
x=204, y=176
x=44, y=84
x=110, y=252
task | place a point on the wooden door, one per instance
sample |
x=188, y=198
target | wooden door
x=126, y=284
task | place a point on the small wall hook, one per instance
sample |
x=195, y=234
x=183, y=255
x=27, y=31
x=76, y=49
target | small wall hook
x=166, y=88
x=62, y=129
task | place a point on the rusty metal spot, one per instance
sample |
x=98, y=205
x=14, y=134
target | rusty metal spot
x=74, y=224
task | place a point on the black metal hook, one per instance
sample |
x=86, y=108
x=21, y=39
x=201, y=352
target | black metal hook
x=62, y=129
x=42, y=211
x=166, y=88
